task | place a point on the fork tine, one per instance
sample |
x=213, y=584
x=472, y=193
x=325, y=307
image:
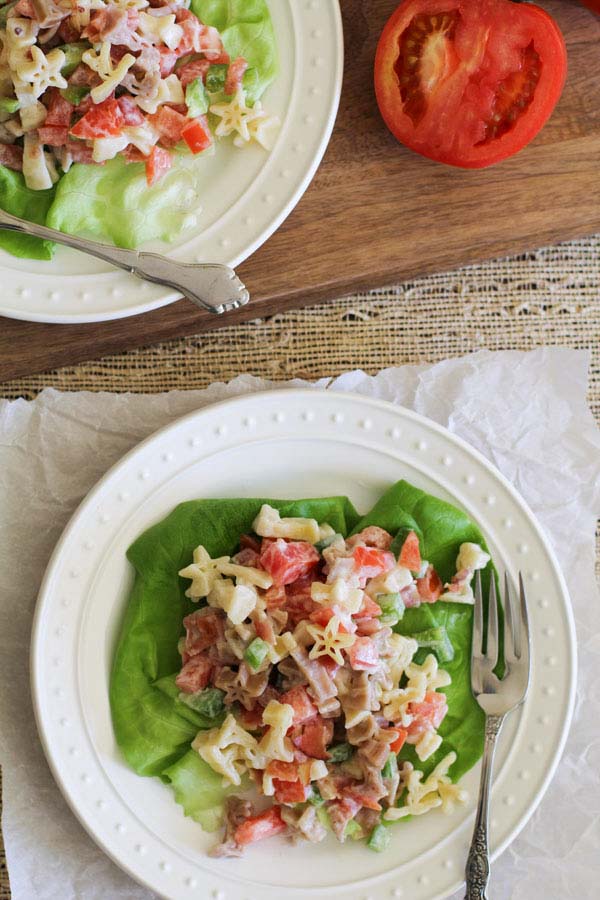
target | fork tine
x=491, y=650
x=524, y=624
x=477, y=643
x=511, y=630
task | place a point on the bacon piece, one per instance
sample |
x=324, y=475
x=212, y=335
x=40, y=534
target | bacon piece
x=319, y=680
x=11, y=156
x=53, y=135
x=340, y=813
x=195, y=675
x=192, y=70
x=235, y=75
x=372, y=536
x=117, y=26
x=247, y=557
x=204, y=628
x=132, y=114
x=59, y=110
x=25, y=8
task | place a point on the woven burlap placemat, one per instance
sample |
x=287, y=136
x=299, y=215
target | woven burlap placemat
x=550, y=297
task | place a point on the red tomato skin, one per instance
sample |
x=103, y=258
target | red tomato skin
x=290, y=791
x=158, y=163
x=255, y=828
x=197, y=134
x=594, y=5
x=430, y=587
x=287, y=561
x=410, y=554
x=103, y=120
x=428, y=715
x=363, y=655
x=397, y=745
x=299, y=700
x=314, y=738
x=368, y=609
x=550, y=86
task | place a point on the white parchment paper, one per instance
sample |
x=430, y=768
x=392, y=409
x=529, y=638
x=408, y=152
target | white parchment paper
x=526, y=412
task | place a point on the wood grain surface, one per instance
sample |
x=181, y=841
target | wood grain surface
x=377, y=214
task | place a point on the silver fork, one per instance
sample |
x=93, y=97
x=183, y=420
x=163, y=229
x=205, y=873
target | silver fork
x=497, y=697
x=209, y=285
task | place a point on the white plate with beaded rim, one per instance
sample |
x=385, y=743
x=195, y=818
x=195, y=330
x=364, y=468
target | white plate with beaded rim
x=246, y=196
x=282, y=444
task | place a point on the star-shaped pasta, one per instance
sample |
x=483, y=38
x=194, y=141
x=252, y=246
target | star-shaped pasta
x=269, y=523
x=274, y=744
x=235, y=116
x=203, y=573
x=261, y=128
x=42, y=71
x=229, y=750
x=111, y=75
x=329, y=640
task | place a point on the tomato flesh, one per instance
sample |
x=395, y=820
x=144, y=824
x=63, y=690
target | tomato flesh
x=468, y=82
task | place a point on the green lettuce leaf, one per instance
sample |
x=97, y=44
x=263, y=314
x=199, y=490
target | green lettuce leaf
x=442, y=529
x=199, y=790
x=114, y=202
x=247, y=30
x=16, y=198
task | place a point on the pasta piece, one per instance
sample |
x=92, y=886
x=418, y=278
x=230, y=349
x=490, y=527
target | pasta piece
x=427, y=745
x=329, y=640
x=275, y=744
x=111, y=75
x=284, y=644
x=169, y=90
x=203, y=573
x=471, y=556
x=422, y=796
x=257, y=577
x=269, y=523
x=228, y=750
x=262, y=129
x=107, y=148
x=161, y=28
x=338, y=593
x=38, y=174
x=238, y=600
x=41, y=70
x=390, y=582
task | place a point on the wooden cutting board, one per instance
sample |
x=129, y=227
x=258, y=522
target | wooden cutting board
x=377, y=214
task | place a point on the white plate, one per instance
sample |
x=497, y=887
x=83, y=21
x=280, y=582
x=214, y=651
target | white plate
x=282, y=444
x=247, y=196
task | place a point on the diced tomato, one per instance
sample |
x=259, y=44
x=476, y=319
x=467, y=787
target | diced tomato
x=103, y=120
x=203, y=630
x=53, y=135
x=361, y=796
x=370, y=562
x=250, y=541
x=59, y=110
x=67, y=32
x=133, y=155
x=299, y=700
x=195, y=675
x=427, y=715
x=368, y=609
x=11, y=156
x=290, y=791
x=287, y=561
x=410, y=555
x=192, y=70
x=255, y=828
x=322, y=615
x=132, y=114
x=363, y=655
x=284, y=771
x=197, y=134
x=314, y=738
x=398, y=743
x=235, y=74
x=158, y=164
x=169, y=125
x=430, y=587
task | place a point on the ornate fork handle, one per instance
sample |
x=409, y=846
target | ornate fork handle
x=477, y=872
x=210, y=286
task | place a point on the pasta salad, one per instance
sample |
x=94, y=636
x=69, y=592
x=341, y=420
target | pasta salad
x=321, y=674
x=85, y=81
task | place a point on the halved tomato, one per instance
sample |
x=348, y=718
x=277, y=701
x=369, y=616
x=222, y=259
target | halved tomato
x=468, y=82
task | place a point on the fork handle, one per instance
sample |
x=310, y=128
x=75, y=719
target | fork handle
x=209, y=285
x=477, y=872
